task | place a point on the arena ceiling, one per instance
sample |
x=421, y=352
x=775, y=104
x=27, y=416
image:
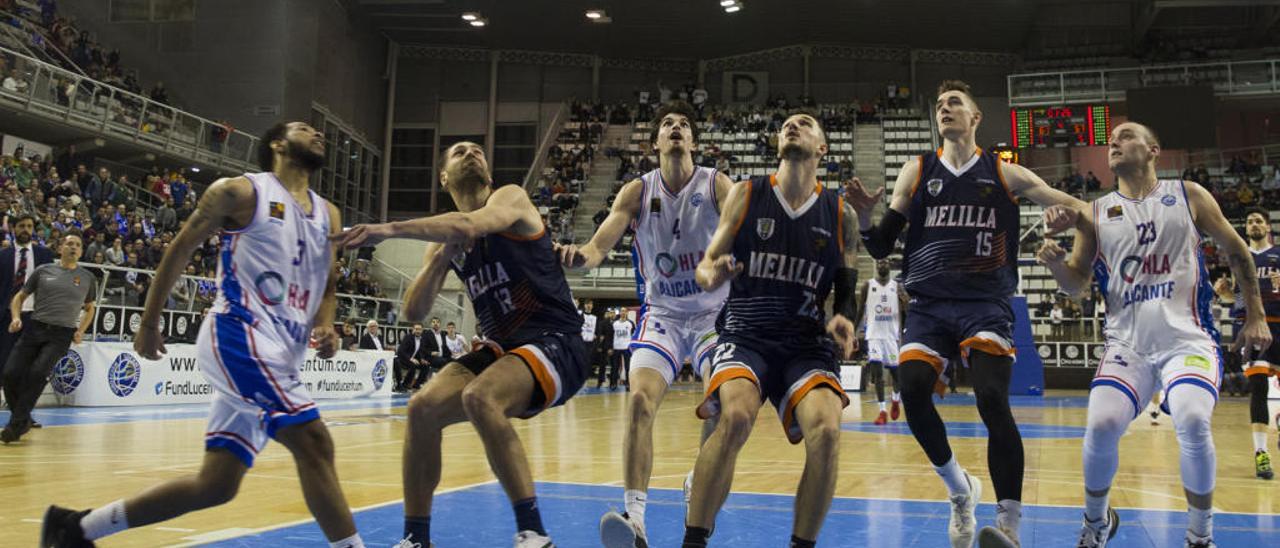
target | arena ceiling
x=700, y=29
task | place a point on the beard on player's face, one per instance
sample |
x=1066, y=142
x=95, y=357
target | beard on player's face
x=304, y=154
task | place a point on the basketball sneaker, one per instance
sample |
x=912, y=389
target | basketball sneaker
x=1262, y=465
x=1098, y=534
x=61, y=529
x=620, y=531
x=893, y=411
x=1199, y=542
x=995, y=537
x=407, y=542
x=882, y=418
x=963, y=522
x=531, y=539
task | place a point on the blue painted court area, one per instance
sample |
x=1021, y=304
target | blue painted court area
x=1080, y=402
x=481, y=516
x=970, y=429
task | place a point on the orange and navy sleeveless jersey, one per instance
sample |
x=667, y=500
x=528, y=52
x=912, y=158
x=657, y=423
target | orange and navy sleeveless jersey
x=962, y=238
x=1267, y=262
x=789, y=258
x=517, y=288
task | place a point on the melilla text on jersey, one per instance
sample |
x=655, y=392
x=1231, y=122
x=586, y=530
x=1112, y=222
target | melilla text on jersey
x=489, y=276
x=785, y=268
x=968, y=216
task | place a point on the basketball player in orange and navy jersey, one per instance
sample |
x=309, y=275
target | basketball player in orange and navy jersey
x=533, y=357
x=1259, y=370
x=960, y=207
x=783, y=244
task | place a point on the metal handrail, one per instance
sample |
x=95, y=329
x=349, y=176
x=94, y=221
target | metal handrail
x=548, y=140
x=38, y=29
x=1114, y=81
x=117, y=106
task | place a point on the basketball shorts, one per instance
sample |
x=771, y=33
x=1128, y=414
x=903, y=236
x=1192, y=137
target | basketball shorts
x=558, y=362
x=1268, y=363
x=664, y=340
x=783, y=372
x=1139, y=374
x=256, y=389
x=938, y=331
x=884, y=351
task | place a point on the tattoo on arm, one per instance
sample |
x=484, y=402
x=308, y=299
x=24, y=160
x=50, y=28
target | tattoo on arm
x=1246, y=274
x=850, y=236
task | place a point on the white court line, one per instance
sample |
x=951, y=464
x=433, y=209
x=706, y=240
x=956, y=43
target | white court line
x=227, y=534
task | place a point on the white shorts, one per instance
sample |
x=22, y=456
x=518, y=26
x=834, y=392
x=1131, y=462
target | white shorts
x=664, y=340
x=256, y=389
x=884, y=351
x=1139, y=375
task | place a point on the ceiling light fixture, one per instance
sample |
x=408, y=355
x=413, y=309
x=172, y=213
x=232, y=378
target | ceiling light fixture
x=480, y=22
x=470, y=16
x=595, y=14
x=735, y=8
x=727, y=3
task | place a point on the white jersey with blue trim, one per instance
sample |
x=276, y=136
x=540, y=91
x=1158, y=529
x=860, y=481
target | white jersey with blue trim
x=1151, y=271
x=273, y=272
x=882, y=310
x=673, y=231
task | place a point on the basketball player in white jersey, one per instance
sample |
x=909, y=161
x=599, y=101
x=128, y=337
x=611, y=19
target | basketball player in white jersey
x=277, y=289
x=620, y=367
x=884, y=304
x=674, y=210
x=1143, y=243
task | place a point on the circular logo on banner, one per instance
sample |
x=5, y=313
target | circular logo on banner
x=109, y=320
x=135, y=322
x=1044, y=350
x=123, y=375
x=1096, y=351
x=67, y=373
x=1072, y=351
x=270, y=287
x=180, y=325
x=379, y=374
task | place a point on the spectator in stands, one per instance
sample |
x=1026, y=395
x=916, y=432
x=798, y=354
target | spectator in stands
x=349, y=339
x=14, y=83
x=116, y=254
x=1091, y=183
x=158, y=186
x=1245, y=196
x=1055, y=318
x=371, y=340
x=97, y=246
x=179, y=189
x=185, y=210
x=166, y=216
x=159, y=94
x=600, y=216
x=136, y=283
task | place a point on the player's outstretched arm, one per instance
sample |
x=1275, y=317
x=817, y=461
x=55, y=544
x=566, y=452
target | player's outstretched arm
x=1024, y=183
x=323, y=330
x=718, y=266
x=1074, y=273
x=626, y=206
x=1256, y=336
x=841, y=323
x=861, y=315
x=880, y=237
x=226, y=202
x=508, y=210
x=422, y=292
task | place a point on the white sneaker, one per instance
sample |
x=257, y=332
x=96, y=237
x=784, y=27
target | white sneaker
x=963, y=522
x=531, y=539
x=620, y=531
x=688, y=483
x=407, y=542
x=1199, y=542
x=1096, y=535
x=996, y=537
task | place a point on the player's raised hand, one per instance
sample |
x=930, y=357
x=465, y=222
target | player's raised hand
x=1223, y=286
x=845, y=334
x=1254, y=339
x=719, y=271
x=1058, y=218
x=362, y=235
x=1051, y=254
x=856, y=195
x=326, y=341
x=148, y=342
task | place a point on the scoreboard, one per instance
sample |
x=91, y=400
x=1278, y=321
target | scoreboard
x=1067, y=126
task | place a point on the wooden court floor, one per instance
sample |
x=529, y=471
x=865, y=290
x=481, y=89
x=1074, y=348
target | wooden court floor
x=87, y=457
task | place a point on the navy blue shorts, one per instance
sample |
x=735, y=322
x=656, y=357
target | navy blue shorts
x=784, y=372
x=559, y=364
x=940, y=330
x=1267, y=363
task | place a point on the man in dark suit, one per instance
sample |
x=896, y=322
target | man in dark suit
x=438, y=354
x=410, y=365
x=371, y=340
x=16, y=262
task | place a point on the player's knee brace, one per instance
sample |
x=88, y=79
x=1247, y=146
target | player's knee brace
x=1258, y=399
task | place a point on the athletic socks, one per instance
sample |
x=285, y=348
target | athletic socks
x=1259, y=441
x=418, y=529
x=1200, y=522
x=1009, y=515
x=797, y=542
x=633, y=501
x=953, y=476
x=695, y=537
x=1095, y=508
x=107, y=520
x=897, y=396
x=352, y=541
x=528, y=518
x=882, y=406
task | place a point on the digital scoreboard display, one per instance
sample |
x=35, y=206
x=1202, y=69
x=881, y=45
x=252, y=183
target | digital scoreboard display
x=1053, y=127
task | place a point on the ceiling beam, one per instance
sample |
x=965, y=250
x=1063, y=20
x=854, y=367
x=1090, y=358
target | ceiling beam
x=1146, y=16
x=1161, y=4
x=400, y=2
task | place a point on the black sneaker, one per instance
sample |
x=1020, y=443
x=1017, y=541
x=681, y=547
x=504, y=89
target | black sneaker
x=11, y=433
x=61, y=529
x=36, y=424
